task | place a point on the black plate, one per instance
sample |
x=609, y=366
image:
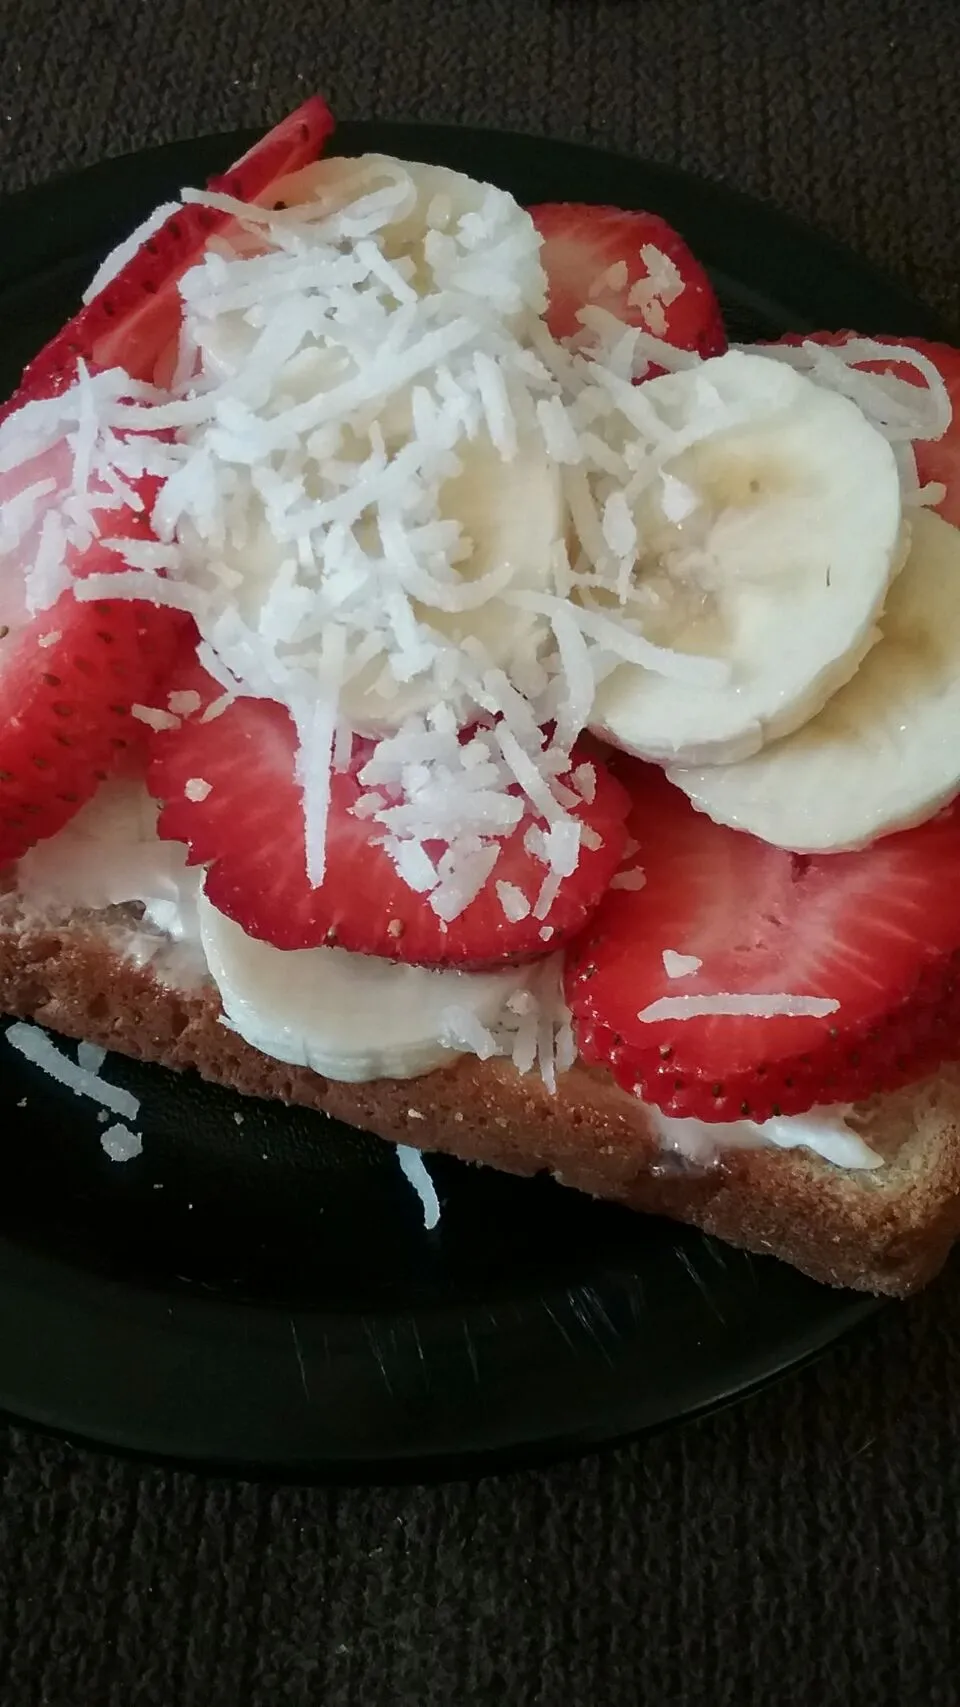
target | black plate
x=256, y=1291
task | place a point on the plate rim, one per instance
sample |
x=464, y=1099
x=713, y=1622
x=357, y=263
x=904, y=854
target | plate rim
x=362, y=132
x=40, y=202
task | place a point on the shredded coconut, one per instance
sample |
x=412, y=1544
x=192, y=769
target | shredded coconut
x=903, y=411
x=513, y=901
x=39, y=1049
x=415, y=1170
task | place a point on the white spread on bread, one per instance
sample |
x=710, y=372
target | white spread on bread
x=827, y=1131
x=110, y=854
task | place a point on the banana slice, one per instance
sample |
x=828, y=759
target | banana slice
x=429, y=205
x=350, y=1017
x=884, y=754
x=769, y=542
x=511, y=517
x=510, y=509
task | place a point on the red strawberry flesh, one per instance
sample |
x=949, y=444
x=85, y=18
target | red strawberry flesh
x=877, y=931
x=582, y=243
x=69, y=677
x=68, y=682
x=249, y=827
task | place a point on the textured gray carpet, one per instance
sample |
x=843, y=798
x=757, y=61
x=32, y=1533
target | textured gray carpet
x=802, y=1549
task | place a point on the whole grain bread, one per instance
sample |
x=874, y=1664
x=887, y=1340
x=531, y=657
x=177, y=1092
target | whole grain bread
x=885, y=1230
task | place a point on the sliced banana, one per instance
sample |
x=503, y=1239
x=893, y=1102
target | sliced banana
x=511, y=516
x=510, y=509
x=350, y=1017
x=884, y=754
x=429, y=205
x=785, y=534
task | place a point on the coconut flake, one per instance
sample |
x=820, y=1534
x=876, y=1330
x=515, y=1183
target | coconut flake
x=413, y=863
x=415, y=1171
x=619, y=527
x=559, y=434
x=154, y=717
x=625, y=642
x=756, y=1007
x=513, y=901
x=120, y=1144
x=680, y=965
x=184, y=702
x=635, y=879
x=501, y=424
x=901, y=410
x=139, y=584
x=549, y=890
x=39, y=1049
x=584, y=778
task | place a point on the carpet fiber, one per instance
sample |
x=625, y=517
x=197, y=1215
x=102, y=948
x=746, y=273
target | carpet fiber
x=802, y=1548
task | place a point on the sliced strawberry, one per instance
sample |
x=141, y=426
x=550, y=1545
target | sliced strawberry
x=937, y=459
x=65, y=702
x=296, y=141
x=877, y=931
x=134, y=318
x=68, y=680
x=581, y=244
x=249, y=827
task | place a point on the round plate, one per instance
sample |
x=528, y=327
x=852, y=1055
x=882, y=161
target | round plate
x=256, y=1291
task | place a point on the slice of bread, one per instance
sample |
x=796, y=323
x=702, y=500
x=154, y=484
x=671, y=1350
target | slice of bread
x=883, y=1230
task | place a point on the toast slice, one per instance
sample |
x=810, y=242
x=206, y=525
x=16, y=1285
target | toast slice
x=884, y=1230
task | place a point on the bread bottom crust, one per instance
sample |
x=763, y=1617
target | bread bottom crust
x=887, y=1230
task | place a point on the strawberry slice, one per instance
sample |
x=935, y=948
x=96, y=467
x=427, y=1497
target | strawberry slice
x=69, y=678
x=937, y=459
x=68, y=682
x=877, y=931
x=133, y=320
x=229, y=790
x=635, y=266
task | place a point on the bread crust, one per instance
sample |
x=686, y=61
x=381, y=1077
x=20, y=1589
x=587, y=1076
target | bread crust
x=888, y=1230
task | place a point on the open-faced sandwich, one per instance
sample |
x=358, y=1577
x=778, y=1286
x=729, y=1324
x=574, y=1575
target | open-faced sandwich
x=444, y=685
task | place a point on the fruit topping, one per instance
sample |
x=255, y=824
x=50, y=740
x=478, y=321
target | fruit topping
x=820, y=979
x=229, y=787
x=884, y=753
x=767, y=529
